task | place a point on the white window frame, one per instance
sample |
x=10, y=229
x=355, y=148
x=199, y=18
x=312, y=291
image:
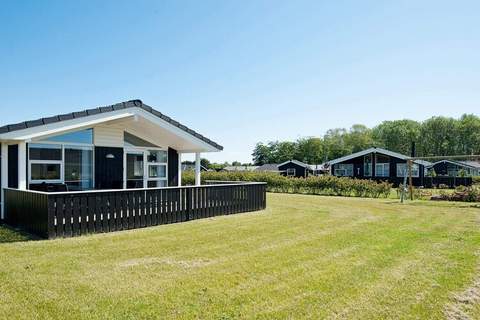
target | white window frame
x=79, y=146
x=346, y=167
x=63, y=145
x=289, y=172
x=146, y=165
x=383, y=166
x=402, y=170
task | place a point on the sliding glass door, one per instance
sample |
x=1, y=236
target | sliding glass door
x=135, y=169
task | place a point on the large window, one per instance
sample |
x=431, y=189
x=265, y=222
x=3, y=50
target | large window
x=382, y=165
x=79, y=167
x=70, y=161
x=382, y=169
x=402, y=170
x=343, y=170
x=46, y=163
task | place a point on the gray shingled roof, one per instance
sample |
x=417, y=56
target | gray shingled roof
x=106, y=109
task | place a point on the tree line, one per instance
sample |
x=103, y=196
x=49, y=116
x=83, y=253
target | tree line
x=437, y=136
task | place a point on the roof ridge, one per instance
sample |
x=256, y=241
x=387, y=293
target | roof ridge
x=104, y=109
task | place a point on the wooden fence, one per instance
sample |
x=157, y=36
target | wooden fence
x=70, y=214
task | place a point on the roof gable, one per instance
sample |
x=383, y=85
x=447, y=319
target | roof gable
x=104, y=110
x=373, y=150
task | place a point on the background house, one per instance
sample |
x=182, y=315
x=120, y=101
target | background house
x=452, y=168
x=378, y=164
x=239, y=168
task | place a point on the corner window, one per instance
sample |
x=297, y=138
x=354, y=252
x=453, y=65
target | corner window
x=61, y=164
x=46, y=163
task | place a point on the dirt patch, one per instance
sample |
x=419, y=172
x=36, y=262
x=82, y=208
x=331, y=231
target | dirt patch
x=463, y=303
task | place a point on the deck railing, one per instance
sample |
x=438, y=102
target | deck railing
x=70, y=214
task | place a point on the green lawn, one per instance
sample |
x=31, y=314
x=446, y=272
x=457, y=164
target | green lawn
x=304, y=257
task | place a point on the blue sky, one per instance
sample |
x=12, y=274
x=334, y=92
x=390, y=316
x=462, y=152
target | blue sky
x=243, y=71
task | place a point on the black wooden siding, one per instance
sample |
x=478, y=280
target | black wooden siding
x=172, y=167
x=300, y=172
x=108, y=172
x=13, y=166
x=358, y=170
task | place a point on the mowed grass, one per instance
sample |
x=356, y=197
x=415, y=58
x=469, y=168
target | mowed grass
x=304, y=257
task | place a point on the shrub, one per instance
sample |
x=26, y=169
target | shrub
x=324, y=185
x=463, y=194
x=476, y=180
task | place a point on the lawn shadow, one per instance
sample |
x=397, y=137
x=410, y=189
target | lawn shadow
x=10, y=235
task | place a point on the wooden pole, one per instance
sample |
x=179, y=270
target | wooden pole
x=410, y=179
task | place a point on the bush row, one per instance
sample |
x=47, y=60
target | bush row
x=324, y=185
x=463, y=194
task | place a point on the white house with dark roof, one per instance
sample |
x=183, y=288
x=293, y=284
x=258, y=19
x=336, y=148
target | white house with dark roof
x=110, y=168
x=126, y=145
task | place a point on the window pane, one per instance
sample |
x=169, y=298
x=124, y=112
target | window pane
x=159, y=171
x=135, y=166
x=45, y=171
x=157, y=184
x=157, y=156
x=79, y=168
x=45, y=152
x=83, y=136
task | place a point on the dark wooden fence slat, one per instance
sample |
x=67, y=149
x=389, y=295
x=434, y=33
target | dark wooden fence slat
x=73, y=214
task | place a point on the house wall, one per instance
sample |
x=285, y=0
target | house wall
x=108, y=172
x=358, y=170
x=108, y=136
x=300, y=171
x=442, y=168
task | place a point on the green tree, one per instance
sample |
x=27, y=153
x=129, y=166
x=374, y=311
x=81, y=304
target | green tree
x=439, y=136
x=262, y=154
x=469, y=134
x=310, y=150
x=335, y=144
x=358, y=138
x=397, y=135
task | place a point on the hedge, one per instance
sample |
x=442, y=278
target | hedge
x=323, y=185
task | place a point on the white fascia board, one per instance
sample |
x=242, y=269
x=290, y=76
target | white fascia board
x=66, y=125
x=460, y=164
x=367, y=151
x=202, y=145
